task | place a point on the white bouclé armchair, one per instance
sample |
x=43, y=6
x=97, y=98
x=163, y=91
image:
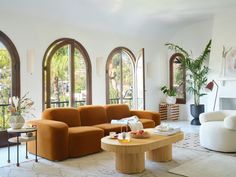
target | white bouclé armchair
x=218, y=130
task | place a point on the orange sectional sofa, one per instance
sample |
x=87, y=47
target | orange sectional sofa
x=70, y=132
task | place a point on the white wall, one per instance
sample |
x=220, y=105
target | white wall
x=223, y=35
x=192, y=38
x=27, y=33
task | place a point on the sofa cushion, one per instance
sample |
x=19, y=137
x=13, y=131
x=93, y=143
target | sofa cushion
x=117, y=111
x=70, y=116
x=84, y=140
x=147, y=123
x=111, y=128
x=92, y=115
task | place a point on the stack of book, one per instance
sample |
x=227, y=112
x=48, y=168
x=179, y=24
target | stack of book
x=167, y=131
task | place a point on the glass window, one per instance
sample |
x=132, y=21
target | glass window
x=140, y=81
x=178, y=77
x=67, y=75
x=9, y=76
x=120, y=77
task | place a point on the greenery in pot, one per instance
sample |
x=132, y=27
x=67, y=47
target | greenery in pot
x=169, y=91
x=196, y=70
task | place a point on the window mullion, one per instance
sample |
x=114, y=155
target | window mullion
x=121, y=78
x=72, y=75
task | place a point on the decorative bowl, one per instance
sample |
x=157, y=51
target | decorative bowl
x=140, y=134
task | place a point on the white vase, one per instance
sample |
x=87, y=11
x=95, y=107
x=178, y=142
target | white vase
x=170, y=99
x=16, y=121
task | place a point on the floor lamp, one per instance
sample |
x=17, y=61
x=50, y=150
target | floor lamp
x=210, y=87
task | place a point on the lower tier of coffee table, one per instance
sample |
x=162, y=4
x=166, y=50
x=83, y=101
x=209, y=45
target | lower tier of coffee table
x=130, y=163
x=162, y=154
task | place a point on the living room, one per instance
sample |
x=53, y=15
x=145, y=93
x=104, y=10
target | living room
x=100, y=28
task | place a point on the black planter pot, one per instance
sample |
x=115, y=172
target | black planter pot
x=196, y=110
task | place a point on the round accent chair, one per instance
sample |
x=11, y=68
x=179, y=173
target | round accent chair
x=218, y=130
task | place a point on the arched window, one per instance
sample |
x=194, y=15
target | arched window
x=178, y=77
x=66, y=75
x=9, y=75
x=120, y=77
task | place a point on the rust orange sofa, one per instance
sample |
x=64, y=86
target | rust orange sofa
x=117, y=111
x=70, y=132
x=61, y=135
x=101, y=116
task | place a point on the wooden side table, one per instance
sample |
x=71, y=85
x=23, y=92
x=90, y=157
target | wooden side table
x=169, y=111
x=19, y=138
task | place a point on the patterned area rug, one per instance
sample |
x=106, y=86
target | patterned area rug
x=96, y=165
x=103, y=164
x=191, y=141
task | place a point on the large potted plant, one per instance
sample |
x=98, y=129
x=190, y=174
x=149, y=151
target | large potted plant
x=197, y=71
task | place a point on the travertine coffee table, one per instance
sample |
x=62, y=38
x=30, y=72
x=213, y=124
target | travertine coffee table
x=130, y=156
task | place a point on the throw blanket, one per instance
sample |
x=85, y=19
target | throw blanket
x=134, y=126
x=133, y=122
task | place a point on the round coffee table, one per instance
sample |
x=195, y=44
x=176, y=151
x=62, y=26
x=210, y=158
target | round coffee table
x=130, y=156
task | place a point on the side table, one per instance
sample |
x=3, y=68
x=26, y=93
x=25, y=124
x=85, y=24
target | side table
x=19, y=138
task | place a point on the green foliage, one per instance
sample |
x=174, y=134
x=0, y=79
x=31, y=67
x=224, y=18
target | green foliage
x=169, y=91
x=60, y=81
x=121, y=66
x=5, y=86
x=197, y=70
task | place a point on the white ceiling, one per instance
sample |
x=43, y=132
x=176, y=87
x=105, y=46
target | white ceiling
x=130, y=17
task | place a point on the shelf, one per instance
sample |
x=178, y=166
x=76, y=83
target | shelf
x=21, y=139
x=169, y=111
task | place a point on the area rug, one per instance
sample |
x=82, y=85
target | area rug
x=95, y=165
x=191, y=141
x=212, y=165
x=103, y=164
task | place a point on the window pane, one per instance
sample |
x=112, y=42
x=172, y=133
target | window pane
x=60, y=85
x=5, y=84
x=114, y=72
x=140, y=82
x=178, y=78
x=128, y=75
x=80, y=79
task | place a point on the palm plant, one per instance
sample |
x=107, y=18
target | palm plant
x=197, y=70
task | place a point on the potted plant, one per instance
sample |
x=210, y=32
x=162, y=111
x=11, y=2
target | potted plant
x=12, y=117
x=197, y=77
x=18, y=108
x=170, y=93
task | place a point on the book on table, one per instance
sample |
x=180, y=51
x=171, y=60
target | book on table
x=170, y=131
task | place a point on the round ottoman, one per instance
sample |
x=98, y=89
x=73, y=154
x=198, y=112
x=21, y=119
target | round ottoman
x=218, y=131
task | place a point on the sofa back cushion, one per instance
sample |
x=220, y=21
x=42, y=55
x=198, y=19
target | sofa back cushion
x=117, y=111
x=92, y=115
x=70, y=116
